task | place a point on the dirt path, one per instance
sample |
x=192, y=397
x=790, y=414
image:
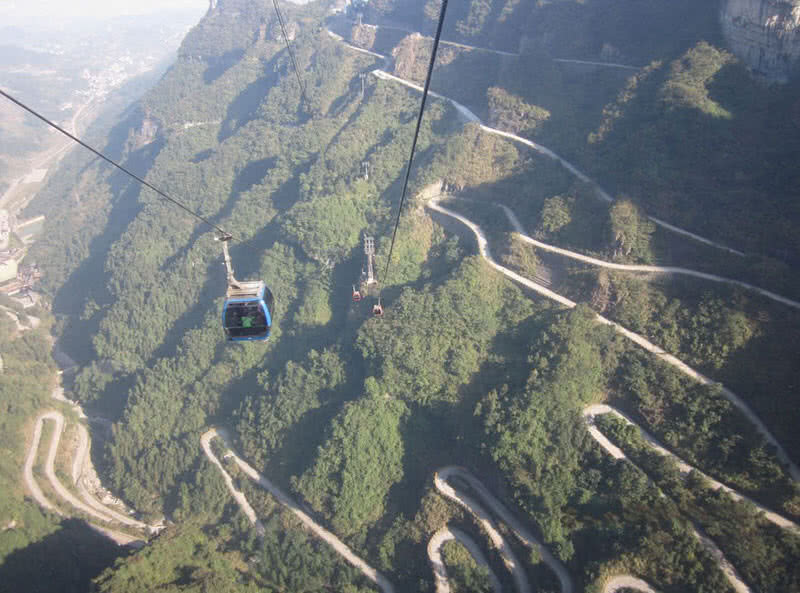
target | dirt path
x=338, y=546
x=444, y=535
x=641, y=341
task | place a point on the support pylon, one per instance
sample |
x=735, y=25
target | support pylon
x=369, y=251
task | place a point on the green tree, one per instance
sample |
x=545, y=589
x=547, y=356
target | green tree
x=630, y=232
x=359, y=462
x=556, y=214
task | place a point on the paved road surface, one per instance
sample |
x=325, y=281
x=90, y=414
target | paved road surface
x=620, y=582
x=444, y=535
x=725, y=566
x=322, y=533
x=526, y=537
x=91, y=506
x=594, y=63
x=595, y=410
x=601, y=193
x=512, y=218
x=49, y=469
x=483, y=247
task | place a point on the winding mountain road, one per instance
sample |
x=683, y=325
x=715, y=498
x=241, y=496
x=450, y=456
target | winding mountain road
x=338, y=545
x=512, y=218
x=595, y=410
x=49, y=469
x=441, y=537
x=596, y=63
x=727, y=568
x=618, y=583
x=488, y=525
x=440, y=480
x=91, y=506
x=483, y=247
x=469, y=116
x=490, y=50
x=78, y=467
x=442, y=476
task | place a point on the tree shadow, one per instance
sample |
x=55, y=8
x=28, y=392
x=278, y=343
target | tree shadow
x=202, y=155
x=63, y=562
x=219, y=65
x=88, y=280
x=253, y=173
x=764, y=372
x=244, y=108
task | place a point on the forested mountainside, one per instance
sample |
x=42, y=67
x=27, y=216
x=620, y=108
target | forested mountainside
x=361, y=419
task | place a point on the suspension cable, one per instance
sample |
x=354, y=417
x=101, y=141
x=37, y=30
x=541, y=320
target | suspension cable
x=291, y=53
x=413, y=145
x=108, y=160
x=224, y=235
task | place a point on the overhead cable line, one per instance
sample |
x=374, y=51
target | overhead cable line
x=291, y=53
x=224, y=235
x=112, y=162
x=413, y=145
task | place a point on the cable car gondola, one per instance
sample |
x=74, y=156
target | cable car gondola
x=248, y=308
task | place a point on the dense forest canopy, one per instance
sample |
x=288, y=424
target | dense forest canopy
x=353, y=415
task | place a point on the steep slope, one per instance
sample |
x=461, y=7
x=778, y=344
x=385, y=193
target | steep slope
x=765, y=34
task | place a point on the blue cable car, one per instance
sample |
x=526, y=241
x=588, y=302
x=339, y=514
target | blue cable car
x=248, y=308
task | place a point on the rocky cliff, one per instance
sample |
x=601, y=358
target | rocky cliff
x=765, y=34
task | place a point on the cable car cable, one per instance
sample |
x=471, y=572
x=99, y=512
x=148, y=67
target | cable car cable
x=414, y=144
x=291, y=53
x=112, y=162
x=223, y=232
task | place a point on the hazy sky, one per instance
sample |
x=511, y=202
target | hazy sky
x=12, y=11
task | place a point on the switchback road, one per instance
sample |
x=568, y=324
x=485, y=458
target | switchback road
x=512, y=218
x=483, y=248
x=469, y=116
x=594, y=410
x=318, y=530
x=725, y=566
x=91, y=506
x=441, y=537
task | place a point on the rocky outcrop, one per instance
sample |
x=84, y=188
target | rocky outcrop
x=764, y=34
x=363, y=36
x=146, y=133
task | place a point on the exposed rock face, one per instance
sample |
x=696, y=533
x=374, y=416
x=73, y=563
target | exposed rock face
x=764, y=34
x=145, y=134
x=363, y=36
